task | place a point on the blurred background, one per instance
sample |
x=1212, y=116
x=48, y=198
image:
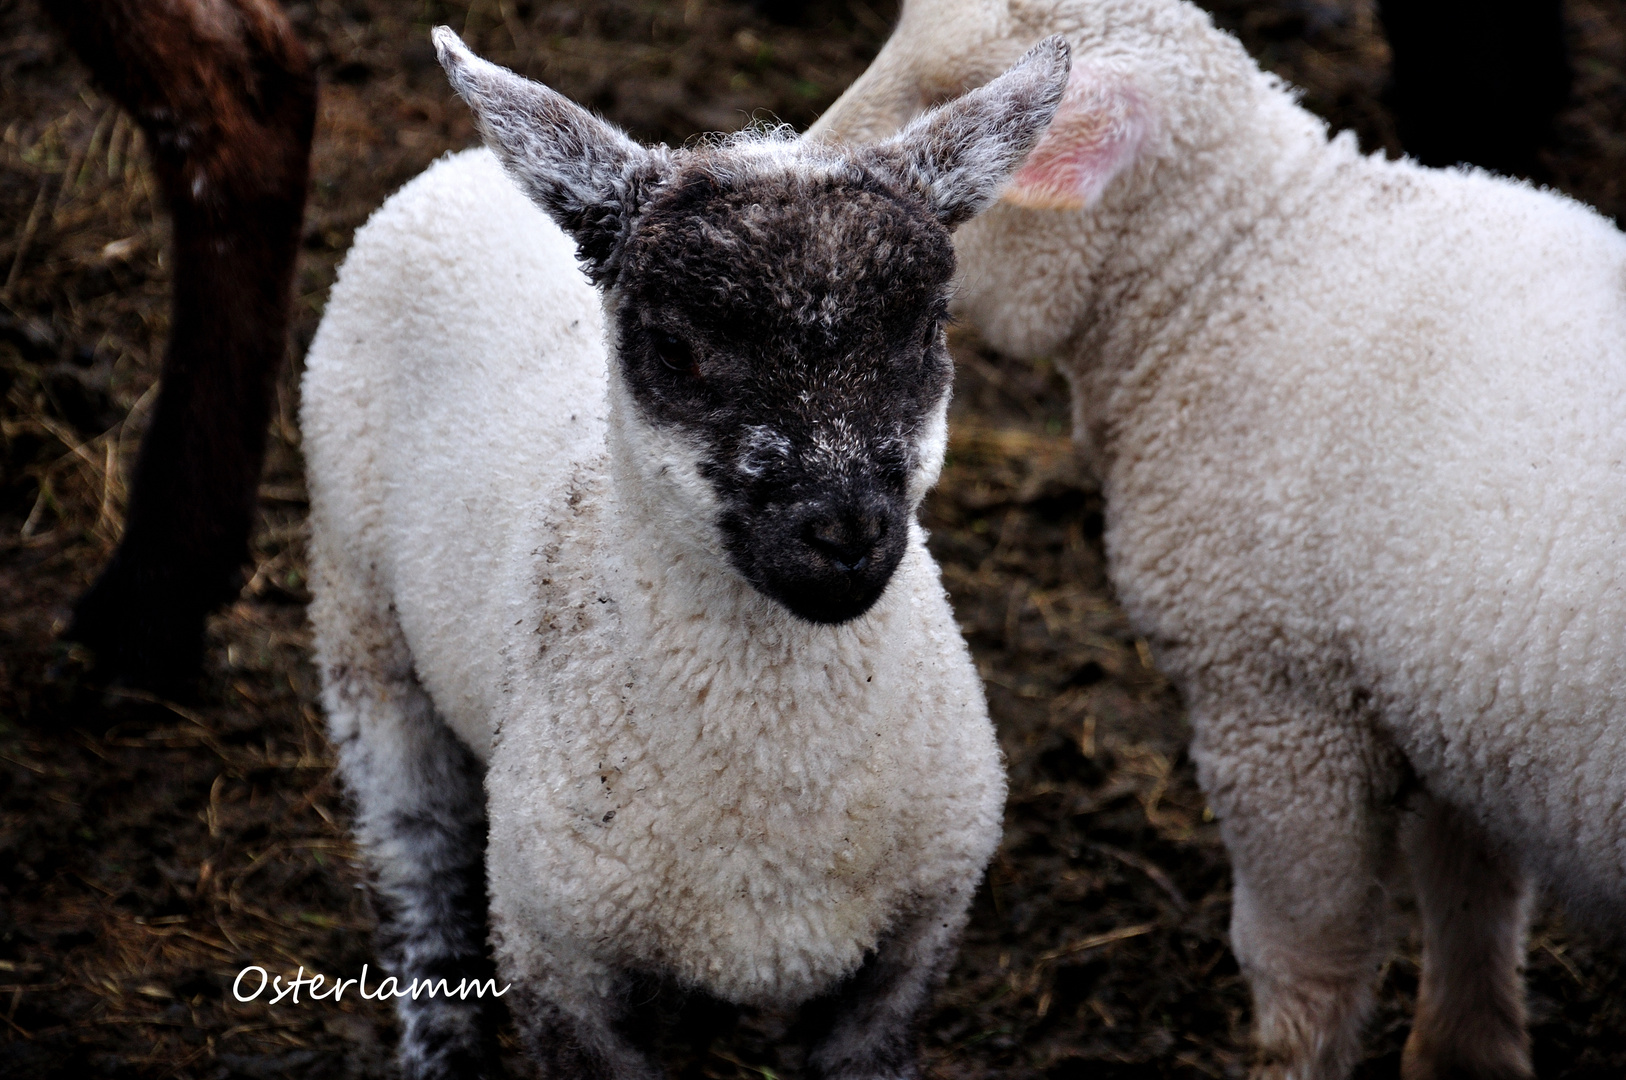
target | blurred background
x=143, y=865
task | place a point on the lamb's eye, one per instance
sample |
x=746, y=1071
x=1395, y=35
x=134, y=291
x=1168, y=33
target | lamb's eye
x=934, y=327
x=675, y=354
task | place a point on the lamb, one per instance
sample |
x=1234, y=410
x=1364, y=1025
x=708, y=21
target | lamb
x=652, y=569
x=1360, y=428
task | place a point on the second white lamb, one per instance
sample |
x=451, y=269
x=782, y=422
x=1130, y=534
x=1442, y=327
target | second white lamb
x=1361, y=430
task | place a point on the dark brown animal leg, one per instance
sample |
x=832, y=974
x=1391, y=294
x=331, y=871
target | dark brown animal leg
x=224, y=93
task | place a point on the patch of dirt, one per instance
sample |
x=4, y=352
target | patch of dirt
x=144, y=865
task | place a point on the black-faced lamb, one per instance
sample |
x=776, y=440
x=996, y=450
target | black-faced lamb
x=1361, y=430
x=648, y=561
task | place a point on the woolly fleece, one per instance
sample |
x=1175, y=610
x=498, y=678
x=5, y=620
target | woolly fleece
x=1361, y=429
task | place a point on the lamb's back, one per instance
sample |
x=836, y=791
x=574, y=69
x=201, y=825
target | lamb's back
x=455, y=383
x=1389, y=464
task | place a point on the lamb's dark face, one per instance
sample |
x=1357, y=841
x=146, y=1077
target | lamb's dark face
x=789, y=329
x=778, y=308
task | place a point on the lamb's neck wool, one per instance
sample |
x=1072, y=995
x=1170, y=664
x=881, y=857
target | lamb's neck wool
x=1228, y=155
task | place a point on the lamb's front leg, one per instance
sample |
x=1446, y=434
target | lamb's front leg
x=1475, y=904
x=420, y=818
x=869, y=1024
x=424, y=828
x=1305, y=799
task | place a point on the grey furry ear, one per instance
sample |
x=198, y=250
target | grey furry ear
x=582, y=171
x=959, y=155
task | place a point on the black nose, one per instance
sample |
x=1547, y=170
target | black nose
x=848, y=540
x=826, y=559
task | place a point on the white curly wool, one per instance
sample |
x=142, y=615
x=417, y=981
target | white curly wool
x=1361, y=429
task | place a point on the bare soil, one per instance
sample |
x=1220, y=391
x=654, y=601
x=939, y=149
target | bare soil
x=149, y=851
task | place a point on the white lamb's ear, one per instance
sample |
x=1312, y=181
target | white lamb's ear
x=1097, y=133
x=960, y=154
x=581, y=170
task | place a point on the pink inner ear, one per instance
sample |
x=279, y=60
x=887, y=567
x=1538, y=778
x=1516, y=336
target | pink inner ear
x=1098, y=131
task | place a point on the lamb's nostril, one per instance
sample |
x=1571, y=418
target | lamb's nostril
x=847, y=541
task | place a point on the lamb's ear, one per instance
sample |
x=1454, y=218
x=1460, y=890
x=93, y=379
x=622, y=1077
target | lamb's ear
x=1098, y=132
x=582, y=171
x=959, y=155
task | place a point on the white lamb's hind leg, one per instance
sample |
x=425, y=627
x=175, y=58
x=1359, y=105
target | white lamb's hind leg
x=1306, y=810
x=1475, y=906
x=420, y=818
x=869, y=1023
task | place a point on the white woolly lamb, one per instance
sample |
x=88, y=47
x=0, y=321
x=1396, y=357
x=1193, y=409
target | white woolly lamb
x=1361, y=429
x=671, y=599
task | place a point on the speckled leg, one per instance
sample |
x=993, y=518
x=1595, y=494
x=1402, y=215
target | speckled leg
x=592, y=1034
x=1306, y=809
x=420, y=818
x=869, y=1024
x=1475, y=906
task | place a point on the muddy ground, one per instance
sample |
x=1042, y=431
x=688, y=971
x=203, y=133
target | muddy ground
x=142, y=866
